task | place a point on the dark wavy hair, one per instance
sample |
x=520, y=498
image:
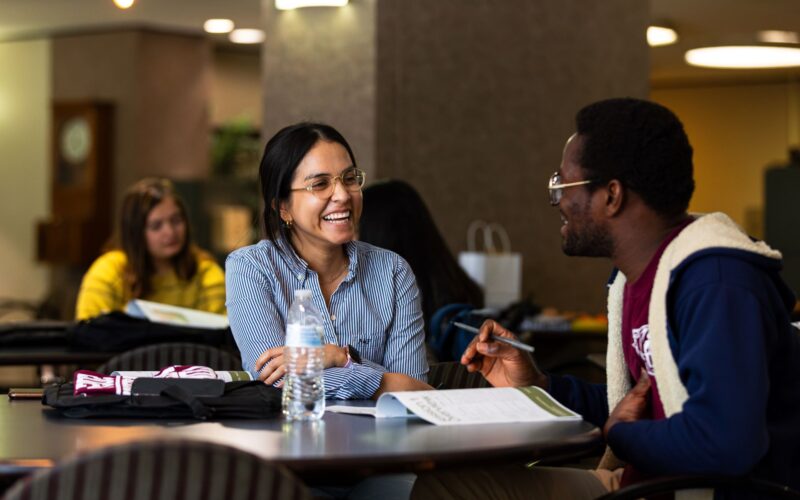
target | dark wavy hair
x=282, y=154
x=396, y=218
x=139, y=200
x=643, y=145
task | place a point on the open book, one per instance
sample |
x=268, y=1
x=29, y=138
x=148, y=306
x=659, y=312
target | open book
x=490, y=405
x=174, y=315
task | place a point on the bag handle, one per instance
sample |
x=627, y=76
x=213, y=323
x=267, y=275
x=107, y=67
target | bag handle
x=199, y=409
x=500, y=231
x=473, y=228
x=488, y=232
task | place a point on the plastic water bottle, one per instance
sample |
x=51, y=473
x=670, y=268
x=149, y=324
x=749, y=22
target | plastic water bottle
x=303, y=388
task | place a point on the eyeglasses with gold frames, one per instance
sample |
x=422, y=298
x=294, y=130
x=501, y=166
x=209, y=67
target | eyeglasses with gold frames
x=322, y=186
x=555, y=187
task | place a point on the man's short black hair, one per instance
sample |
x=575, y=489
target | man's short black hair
x=643, y=145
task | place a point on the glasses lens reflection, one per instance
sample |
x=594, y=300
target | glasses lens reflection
x=323, y=186
x=555, y=194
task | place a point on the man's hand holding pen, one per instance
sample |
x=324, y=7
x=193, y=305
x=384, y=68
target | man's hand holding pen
x=501, y=364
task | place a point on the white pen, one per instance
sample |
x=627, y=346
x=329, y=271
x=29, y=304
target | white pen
x=505, y=340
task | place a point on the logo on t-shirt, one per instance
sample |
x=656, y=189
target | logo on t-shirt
x=641, y=344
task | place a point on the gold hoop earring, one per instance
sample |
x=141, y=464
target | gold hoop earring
x=288, y=224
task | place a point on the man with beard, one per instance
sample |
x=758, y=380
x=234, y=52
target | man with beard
x=703, y=369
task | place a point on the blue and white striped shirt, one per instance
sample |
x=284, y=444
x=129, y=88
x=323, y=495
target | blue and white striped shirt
x=376, y=309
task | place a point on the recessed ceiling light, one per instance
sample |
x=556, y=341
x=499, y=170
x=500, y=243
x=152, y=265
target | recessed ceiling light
x=661, y=35
x=744, y=56
x=296, y=4
x=123, y=4
x=218, y=26
x=246, y=35
x=777, y=36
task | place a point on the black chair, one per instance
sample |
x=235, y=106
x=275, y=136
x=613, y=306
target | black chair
x=759, y=487
x=454, y=375
x=157, y=356
x=162, y=470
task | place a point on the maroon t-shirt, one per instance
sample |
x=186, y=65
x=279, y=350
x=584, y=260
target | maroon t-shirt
x=636, y=337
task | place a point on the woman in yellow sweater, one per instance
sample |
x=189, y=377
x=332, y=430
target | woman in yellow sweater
x=155, y=259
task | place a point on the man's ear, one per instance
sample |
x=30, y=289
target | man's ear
x=615, y=197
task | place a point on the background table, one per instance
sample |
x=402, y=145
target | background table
x=336, y=448
x=52, y=355
x=569, y=352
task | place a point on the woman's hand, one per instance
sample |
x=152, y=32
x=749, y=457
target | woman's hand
x=274, y=365
x=273, y=362
x=334, y=356
x=501, y=364
x=395, y=382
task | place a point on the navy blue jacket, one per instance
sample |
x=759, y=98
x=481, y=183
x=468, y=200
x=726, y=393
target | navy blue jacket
x=739, y=360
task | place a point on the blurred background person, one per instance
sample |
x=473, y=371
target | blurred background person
x=396, y=218
x=153, y=258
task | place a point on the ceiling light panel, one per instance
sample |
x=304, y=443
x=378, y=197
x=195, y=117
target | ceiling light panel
x=296, y=4
x=661, y=35
x=246, y=36
x=218, y=26
x=744, y=56
x=777, y=36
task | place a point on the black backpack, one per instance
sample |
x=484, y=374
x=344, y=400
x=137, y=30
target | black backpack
x=249, y=399
x=117, y=331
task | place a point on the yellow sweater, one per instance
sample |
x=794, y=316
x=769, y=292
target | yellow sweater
x=103, y=288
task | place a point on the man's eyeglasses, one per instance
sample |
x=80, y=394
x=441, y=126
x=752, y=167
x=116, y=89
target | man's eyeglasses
x=322, y=186
x=556, y=188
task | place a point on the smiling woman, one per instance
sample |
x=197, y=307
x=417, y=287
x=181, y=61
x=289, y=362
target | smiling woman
x=374, y=340
x=154, y=260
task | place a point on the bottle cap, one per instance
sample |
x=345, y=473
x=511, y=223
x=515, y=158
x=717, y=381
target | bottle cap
x=302, y=294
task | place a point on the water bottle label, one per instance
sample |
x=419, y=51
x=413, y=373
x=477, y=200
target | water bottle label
x=304, y=336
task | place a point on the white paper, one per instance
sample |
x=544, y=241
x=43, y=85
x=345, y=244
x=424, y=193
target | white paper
x=353, y=410
x=173, y=315
x=468, y=406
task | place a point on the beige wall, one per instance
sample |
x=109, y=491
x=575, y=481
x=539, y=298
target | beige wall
x=25, y=165
x=236, y=86
x=319, y=64
x=475, y=101
x=737, y=131
x=172, y=102
x=158, y=84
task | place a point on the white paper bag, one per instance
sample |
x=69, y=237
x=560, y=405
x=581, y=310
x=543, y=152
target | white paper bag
x=496, y=268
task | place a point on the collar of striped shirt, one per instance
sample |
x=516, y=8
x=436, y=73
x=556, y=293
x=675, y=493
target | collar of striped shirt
x=298, y=266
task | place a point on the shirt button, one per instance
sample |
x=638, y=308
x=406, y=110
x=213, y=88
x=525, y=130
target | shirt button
x=300, y=277
x=333, y=317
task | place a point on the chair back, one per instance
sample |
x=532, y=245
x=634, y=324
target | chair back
x=454, y=375
x=171, y=469
x=157, y=356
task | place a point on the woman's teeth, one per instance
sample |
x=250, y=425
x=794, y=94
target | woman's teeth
x=337, y=216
